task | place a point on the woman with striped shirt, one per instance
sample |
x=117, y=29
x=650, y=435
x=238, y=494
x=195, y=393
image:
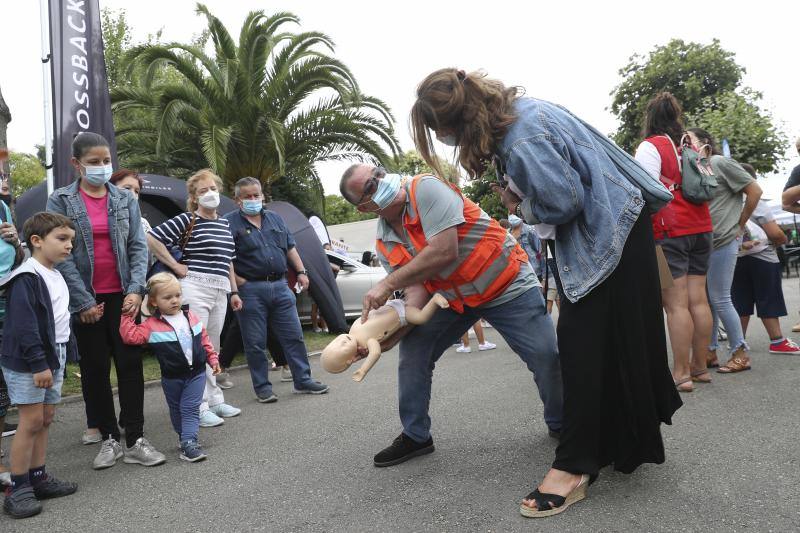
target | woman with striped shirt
x=205, y=272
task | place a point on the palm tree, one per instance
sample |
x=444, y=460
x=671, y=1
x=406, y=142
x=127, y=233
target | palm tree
x=271, y=106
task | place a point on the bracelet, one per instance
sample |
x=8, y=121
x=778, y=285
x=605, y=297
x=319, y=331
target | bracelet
x=233, y=293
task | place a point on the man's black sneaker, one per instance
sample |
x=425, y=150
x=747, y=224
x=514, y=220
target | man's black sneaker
x=402, y=449
x=53, y=488
x=21, y=503
x=9, y=429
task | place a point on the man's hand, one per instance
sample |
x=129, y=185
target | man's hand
x=9, y=233
x=43, y=379
x=507, y=196
x=216, y=369
x=92, y=315
x=304, y=282
x=180, y=270
x=236, y=303
x=131, y=305
x=375, y=298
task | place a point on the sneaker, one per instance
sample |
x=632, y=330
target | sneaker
x=51, y=487
x=107, y=457
x=224, y=381
x=209, y=420
x=267, y=397
x=5, y=479
x=143, y=453
x=487, y=346
x=796, y=328
x=317, y=329
x=224, y=410
x=402, y=449
x=286, y=375
x=312, y=387
x=464, y=349
x=192, y=452
x=787, y=346
x=91, y=437
x=21, y=503
x=9, y=430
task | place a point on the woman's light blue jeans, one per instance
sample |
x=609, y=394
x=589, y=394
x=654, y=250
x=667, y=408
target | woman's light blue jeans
x=721, y=267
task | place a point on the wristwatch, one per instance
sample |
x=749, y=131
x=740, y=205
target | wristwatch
x=518, y=210
x=302, y=272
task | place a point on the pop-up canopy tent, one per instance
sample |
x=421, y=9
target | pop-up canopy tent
x=323, y=288
x=163, y=197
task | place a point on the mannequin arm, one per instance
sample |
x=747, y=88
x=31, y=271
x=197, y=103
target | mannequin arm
x=420, y=316
x=374, y=354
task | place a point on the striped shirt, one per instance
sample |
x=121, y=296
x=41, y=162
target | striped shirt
x=210, y=248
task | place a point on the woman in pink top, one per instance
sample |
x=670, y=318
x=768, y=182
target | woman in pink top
x=106, y=279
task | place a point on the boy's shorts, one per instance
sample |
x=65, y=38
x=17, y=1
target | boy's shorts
x=22, y=391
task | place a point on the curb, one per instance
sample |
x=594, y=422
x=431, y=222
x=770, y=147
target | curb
x=148, y=384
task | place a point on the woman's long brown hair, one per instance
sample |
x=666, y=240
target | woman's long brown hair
x=476, y=109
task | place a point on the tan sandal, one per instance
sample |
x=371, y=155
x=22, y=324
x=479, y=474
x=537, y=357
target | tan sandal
x=684, y=385
x=734, y=364
x=697, y=376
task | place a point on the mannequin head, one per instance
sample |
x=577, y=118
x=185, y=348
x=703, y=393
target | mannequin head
x=339, y=354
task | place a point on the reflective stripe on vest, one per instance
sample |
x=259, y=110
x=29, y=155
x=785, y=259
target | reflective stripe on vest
x=485, y=266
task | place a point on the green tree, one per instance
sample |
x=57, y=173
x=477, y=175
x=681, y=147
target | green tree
x=306, y=195
x=116, y=42
x=410, y=163
x=480, y=191
x=26, y=172
x=690, y=71
x=271, y=105
x=340, y=211
x=752, y=136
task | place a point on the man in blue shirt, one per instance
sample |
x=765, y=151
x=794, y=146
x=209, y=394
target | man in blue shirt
x=264, y=247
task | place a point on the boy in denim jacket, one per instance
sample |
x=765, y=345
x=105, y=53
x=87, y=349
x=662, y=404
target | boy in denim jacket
x=37, y=340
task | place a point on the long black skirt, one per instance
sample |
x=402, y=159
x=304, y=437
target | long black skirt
x=618, y=389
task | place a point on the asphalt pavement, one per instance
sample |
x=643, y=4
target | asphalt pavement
x=305, y=462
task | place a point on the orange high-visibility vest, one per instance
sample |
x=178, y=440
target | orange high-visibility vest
x=485, y=266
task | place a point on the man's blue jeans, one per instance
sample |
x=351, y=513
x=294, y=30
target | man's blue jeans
x=721, y=267
x=271, y=304
x=524, y=324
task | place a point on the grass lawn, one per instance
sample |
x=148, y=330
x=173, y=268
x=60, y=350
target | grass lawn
x=72, y=383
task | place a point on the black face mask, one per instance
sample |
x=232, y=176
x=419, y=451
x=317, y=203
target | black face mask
x=6, y=198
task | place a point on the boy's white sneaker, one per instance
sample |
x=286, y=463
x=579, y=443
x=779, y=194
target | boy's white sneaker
x=487, y=346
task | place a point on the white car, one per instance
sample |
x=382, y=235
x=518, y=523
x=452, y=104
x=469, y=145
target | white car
x=354, y=280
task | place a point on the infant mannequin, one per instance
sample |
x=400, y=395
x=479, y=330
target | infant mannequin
x=381, y=323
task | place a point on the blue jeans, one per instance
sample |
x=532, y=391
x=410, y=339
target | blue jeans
x=524, y=324
x=271, y=306
x=183, y=398
x=721, y=267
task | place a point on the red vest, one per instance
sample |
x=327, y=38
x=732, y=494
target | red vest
x=679, y=217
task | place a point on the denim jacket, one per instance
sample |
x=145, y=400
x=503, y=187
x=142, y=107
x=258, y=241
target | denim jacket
x=570, y=182
x=127, y=241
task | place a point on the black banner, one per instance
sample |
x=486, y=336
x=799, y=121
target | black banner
x=80, y=85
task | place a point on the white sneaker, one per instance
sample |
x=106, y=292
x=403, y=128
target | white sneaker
x=223, y=410
x=110, y=451
x=286, y=375
x=143, y=453
x=464, y=349
x=487, y=346
x=91, y=437
x=317, y=329
x=209, y=420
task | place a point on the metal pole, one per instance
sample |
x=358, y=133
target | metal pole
x=44, y=12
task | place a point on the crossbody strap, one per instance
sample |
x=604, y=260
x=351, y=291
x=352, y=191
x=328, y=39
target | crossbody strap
x=188, y=233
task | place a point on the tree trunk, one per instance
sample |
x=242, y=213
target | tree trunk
x=5, y=118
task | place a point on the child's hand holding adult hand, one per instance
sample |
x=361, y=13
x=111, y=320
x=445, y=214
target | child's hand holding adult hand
x=131, y=304
x=43, y=379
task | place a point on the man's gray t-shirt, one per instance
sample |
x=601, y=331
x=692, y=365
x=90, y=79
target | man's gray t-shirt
x=726, y=206
x=440, y=208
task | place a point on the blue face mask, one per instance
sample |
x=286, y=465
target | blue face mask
x=387, y=190
x=98, y=175
x=251, y=207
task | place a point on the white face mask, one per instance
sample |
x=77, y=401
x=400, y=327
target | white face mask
x=209, y=200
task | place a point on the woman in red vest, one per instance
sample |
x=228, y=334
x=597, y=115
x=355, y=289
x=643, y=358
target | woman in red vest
x=683, y=230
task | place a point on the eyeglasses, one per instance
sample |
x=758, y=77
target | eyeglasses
x=372, y=184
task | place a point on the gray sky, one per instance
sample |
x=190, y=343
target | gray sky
x=567, y=52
